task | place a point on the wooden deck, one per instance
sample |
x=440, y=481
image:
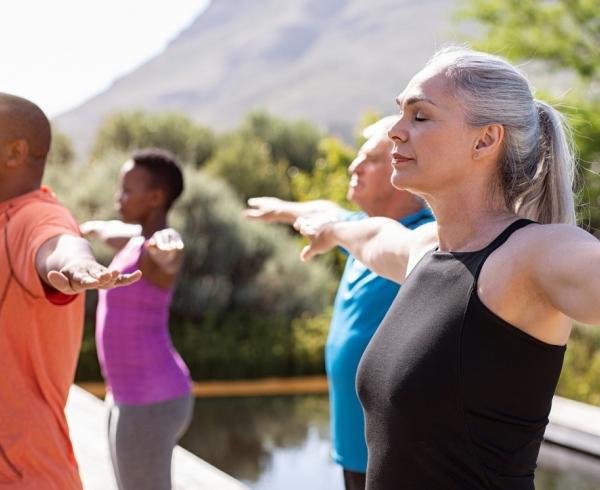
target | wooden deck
x=87, y=421
x=573, y=425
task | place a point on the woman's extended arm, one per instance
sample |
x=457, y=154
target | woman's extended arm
x=162, y=258
x=114, y=233
x=381, y=244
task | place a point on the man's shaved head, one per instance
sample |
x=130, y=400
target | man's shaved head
x=22, y=119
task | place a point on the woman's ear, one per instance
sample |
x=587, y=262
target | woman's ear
x=489, y=142
x=158, y=197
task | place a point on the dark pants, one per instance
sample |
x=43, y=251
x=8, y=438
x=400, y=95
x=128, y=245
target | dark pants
x=354, y=480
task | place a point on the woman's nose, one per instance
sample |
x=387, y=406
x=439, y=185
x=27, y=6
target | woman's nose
x=397, y=132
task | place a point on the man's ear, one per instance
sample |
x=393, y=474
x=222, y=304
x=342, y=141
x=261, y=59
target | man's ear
x=15, y=153
x=489, y=142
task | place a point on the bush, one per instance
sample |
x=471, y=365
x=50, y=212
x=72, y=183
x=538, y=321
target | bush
x=172, y=131
x=579, y=378
x=293, y=142
x=246, y=164
x=246, y=345
x=61, y=149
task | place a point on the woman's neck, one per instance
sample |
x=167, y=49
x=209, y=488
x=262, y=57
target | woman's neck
x=464, y=224
x=154, y=223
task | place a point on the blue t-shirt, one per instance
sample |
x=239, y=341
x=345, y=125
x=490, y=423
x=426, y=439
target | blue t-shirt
x=363, y=298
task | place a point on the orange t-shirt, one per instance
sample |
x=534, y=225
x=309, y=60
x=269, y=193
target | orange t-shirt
x=40, y=338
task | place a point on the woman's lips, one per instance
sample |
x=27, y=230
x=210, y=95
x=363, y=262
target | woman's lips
x=398, y=159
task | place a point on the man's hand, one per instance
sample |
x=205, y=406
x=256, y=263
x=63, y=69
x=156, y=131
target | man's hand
x=268, y=209
x=82, y=274
x=319, y=232
x=165, y=248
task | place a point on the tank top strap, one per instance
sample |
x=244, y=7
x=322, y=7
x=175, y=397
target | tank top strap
x=499, y=241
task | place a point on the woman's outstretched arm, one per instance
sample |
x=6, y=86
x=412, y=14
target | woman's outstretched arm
x=114, y=233
x=382, y=244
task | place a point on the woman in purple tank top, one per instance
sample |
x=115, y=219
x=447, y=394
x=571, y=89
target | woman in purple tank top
x=149, y=387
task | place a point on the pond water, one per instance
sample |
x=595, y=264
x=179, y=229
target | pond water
x=273, y=443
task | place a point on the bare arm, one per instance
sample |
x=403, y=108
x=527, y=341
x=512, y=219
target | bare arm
x=67, y=264
x=274, y=210
x=114, y=233
x=381, y=244
x=162, y=258
x=564, y=265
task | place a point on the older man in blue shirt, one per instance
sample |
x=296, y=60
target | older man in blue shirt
x=363, y=297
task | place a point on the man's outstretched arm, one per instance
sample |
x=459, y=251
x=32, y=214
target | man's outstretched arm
x=67, y=264
x=275, y=210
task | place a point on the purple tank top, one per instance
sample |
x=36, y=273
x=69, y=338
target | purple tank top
x=136, y=355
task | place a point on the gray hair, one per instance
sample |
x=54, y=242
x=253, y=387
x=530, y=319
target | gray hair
x=380, y=128
x=537, y=164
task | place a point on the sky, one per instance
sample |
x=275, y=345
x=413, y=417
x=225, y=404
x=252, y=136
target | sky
x=59, y=53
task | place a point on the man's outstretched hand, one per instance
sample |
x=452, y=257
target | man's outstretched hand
x=82, y=274
x=318, y=231
x=269, y=210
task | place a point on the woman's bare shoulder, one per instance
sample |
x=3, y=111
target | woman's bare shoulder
x=537, y=238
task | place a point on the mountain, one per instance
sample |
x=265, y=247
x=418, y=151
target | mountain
x=327, y=61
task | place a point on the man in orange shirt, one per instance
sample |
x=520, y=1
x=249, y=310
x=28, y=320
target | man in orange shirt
x=44, y=264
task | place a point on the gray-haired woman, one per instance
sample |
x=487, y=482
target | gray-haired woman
x=458, y=381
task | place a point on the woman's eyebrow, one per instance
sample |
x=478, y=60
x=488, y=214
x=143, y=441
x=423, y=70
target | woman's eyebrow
x=413, y=100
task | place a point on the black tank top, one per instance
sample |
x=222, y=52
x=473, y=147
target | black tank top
x=455, y=398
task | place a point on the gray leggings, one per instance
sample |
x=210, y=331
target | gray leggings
x=141, y=439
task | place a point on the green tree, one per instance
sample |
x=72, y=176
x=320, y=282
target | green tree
x=294, y=142
x=245, y=162
x=563, y=33
x=61, y=149
x=329, y=178
x=176, y=132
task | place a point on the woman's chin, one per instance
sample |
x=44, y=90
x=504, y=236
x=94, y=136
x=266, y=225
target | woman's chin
x=405, y=181
x=400, y=181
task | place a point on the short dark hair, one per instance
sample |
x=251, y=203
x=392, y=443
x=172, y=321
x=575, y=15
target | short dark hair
x=164, y=169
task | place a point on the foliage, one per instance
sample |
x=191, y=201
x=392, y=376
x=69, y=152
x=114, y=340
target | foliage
x=61, y=149
x=584, y=117
x=579, y=379
x=295, y=142
x=173, y=131
x=246, y=164
x=564, y=33
x=246, y=345
x=329, y=179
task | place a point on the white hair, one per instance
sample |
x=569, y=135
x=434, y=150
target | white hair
x=537, y=164
x=380, y=128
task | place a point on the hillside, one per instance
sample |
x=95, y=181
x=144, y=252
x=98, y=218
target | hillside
x=323, y=60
